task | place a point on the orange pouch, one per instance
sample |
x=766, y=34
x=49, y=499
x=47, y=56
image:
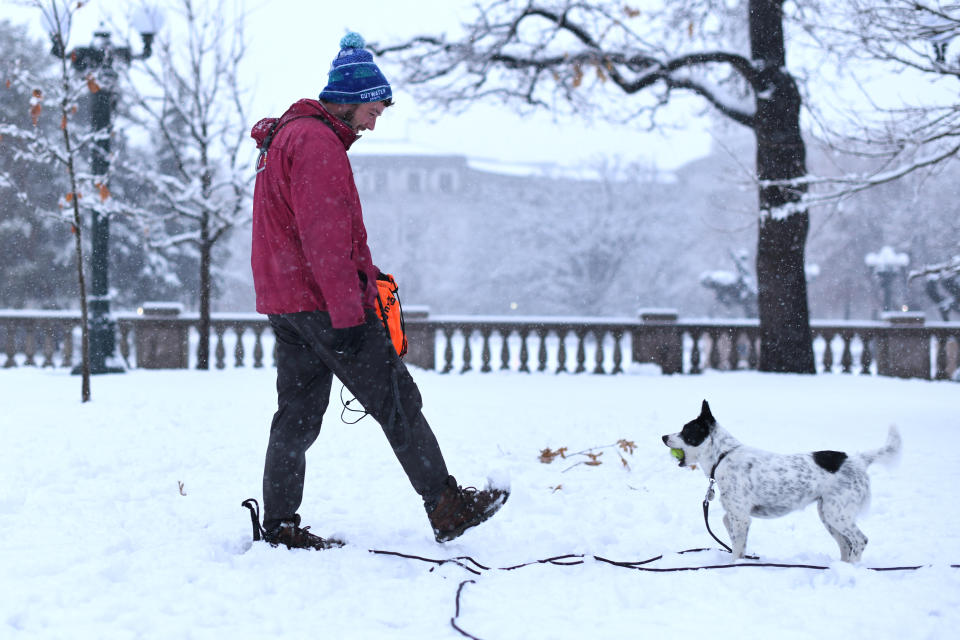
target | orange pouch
x=391, y=313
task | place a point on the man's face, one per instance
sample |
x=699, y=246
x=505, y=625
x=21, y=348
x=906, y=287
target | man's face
x=364, y=116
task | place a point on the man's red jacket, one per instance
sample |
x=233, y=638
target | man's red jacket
x=309, y=241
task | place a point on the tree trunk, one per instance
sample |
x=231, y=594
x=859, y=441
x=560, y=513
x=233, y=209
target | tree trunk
x=786, y=344
x=203, y=347
x=82, y=286
x=206, y=249
x=84, y=368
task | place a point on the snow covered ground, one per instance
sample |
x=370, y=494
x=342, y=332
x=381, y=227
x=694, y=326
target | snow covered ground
x=99, y=540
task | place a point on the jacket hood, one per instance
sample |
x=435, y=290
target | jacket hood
x=261, y=131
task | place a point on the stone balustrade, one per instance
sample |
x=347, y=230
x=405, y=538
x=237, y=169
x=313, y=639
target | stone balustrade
x=161, y=336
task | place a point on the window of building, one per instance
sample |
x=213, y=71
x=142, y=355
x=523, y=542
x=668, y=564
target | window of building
x=381, y=181
x=445, y=182
x=414, y=182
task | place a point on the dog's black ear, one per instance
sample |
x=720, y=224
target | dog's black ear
x=700, y=428
x=705, y=412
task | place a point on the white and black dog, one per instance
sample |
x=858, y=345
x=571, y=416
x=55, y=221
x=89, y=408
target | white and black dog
x=758, y=483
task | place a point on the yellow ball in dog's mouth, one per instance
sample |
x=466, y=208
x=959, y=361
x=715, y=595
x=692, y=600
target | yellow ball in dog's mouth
x=676, y=453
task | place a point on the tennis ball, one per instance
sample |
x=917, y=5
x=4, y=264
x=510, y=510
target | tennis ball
x=677, y=453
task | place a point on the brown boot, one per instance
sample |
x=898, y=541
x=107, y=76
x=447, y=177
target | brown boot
x=457, y=509
x=293, y=536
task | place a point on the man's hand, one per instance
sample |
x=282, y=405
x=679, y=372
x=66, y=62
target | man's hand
x=348, y=340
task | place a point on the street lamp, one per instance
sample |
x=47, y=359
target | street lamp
x=99, y=58
x=887, y=264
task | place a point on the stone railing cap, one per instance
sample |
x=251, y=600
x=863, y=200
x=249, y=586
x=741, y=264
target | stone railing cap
x=160, y=309
x=904, y=317
x=416, y=311
x=658, y=315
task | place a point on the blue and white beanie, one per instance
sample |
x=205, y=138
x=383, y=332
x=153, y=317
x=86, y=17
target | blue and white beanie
x=353, y=77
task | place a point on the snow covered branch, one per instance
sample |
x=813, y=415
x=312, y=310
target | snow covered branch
x=560, y=54
x=914, y=128
x=840, y=187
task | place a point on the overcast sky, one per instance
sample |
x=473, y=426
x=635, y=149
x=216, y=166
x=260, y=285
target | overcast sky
x=292, y=43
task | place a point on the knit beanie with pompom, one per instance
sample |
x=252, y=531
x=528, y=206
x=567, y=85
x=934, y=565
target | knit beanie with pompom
x=353, y=77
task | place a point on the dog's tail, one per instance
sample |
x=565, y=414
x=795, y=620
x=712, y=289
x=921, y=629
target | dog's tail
x=889, y=453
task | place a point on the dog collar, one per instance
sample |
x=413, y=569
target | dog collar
x=713, y=481
x=723, y=455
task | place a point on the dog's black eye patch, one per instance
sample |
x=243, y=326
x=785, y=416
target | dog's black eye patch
x=829, y=460
x=696, y=431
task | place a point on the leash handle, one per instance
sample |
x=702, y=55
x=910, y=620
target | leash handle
x=254, y=507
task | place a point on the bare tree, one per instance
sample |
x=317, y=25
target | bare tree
x=591, y=234
x=910, y=42
x=38, y=261
x=196, y=106
x=917, y=41
x=65, y=145
x=567, y=56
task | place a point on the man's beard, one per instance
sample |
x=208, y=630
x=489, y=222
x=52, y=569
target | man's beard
x=347, y=117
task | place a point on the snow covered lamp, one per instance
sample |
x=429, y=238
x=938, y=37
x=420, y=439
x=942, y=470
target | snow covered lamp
x=887, y=265
x=95, y=63
x=147, y=20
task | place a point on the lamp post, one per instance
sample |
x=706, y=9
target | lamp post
x=98, y=60
x=887, y=264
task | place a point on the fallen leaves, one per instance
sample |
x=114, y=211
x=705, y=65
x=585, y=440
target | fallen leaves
x=547, y=455
x=592, y=456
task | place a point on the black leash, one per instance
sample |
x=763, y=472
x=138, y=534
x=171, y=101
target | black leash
x=456, y=614
x=574, y=559
x=710, y=496
x=460, y=561
x=577, y=559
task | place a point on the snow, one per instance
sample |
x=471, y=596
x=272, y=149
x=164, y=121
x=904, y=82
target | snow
x=887, y=259
x=99, y=541
x=724, y=278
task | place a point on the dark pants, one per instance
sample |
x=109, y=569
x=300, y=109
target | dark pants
x=377, y=378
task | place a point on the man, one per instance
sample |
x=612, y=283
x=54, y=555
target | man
x=315, y=279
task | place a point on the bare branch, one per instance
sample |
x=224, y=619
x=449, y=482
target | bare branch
x=538, y=52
